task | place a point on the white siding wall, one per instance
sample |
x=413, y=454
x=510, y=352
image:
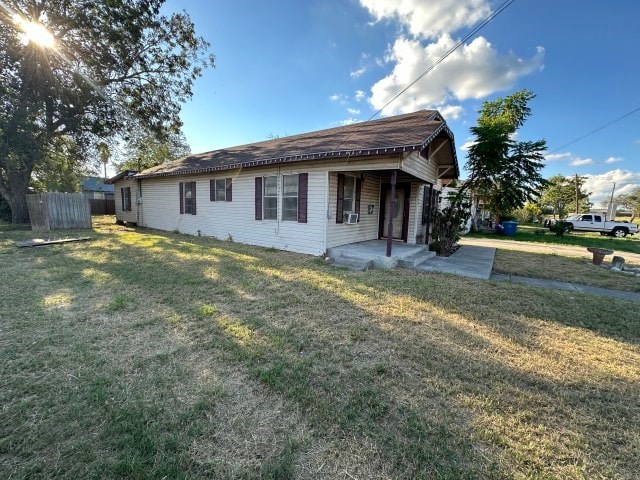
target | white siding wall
x=415, y=212
x=128, y=216
x=236, y=219
x=420, y=167
x=367, y=227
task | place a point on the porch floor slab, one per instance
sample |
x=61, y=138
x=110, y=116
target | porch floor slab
x=375, y=251
x=469, y=261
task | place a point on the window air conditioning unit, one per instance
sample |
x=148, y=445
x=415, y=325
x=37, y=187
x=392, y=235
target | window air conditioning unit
x=350, y=218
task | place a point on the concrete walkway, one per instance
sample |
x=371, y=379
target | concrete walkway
x=548, y=248
x=555, y=285
x=476, y=261
x=469, y=261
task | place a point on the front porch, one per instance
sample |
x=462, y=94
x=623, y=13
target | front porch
x=373, y=254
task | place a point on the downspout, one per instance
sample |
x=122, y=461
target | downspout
x=139, y=202
x=392, y=209
x=326, y=215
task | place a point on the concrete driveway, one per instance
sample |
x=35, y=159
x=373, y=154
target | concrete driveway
x=548, y=248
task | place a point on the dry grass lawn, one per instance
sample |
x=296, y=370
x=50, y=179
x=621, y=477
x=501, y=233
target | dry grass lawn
x=563, y=269
x=146, y=354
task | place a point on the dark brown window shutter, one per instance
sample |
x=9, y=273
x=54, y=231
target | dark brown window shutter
x=340, y=202
x=193, y=194
x=228, y=188
x=426, y=201
x=212, y=190
x=303, y=186
x=358, y=195
x=122, y=195
x=181, y=198
x=258, y=198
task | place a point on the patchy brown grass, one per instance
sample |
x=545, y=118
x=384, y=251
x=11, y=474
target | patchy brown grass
x=145, y=354
x=563, y=269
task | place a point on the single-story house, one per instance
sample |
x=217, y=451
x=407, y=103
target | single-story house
x=97, y=188
x=303, y=193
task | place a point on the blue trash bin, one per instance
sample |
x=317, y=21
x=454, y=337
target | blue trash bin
x=509, y=228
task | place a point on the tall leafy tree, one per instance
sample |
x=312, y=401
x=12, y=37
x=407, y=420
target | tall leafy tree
x=146, y=150
x=560, y=194
x=631, y=201
x=103, y=69
x=62, y=168
x=503, y=171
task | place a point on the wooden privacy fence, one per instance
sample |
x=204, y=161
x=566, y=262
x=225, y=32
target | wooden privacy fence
x=57, y=211
x=102, y=207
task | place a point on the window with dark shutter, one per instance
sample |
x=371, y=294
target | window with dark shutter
x=193, y=203
x=356, y=208
x=303, y=186
x=188, y=198
x=290, y=188
x=340, y=198
x=229, y=182
x=270, y=198
x=258, y=198
x=125, y=193
x=426, y=203
x=220, y=190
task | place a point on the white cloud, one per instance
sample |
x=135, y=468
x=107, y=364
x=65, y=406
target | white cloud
x=359, y=95
x=613, y=160
x=557, y=156
x=601, y=185
x=353, y=111
x=358, y=72
x=581, y=162
x=339, y=98
x=429, y=19
x=348, y=121
x=467, y=145
x=474, y=71
x=452, y=112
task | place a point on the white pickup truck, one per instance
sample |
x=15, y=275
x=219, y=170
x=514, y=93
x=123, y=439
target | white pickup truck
x=595, y=222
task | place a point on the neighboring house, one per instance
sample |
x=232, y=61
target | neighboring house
x=97, y=188
x=304, y=193
x=477, y=209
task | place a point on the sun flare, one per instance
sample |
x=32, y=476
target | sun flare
x=34, y=32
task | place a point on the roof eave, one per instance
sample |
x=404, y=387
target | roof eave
x=290, y=159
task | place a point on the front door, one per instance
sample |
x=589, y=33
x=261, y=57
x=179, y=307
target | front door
x=399, y=215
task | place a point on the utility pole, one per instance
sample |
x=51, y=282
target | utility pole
x=610, y=209
x=577, y=195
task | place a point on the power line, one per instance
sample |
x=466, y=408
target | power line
x=500, y=9
x=596, y=130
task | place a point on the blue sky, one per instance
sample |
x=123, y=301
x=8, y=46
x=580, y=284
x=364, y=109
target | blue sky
x=292, y=66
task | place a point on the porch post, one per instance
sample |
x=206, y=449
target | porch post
x=392, y=209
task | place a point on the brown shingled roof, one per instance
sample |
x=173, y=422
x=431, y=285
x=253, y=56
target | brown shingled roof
x=401, y=133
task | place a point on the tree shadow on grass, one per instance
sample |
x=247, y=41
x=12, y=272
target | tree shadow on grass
x=393, y=360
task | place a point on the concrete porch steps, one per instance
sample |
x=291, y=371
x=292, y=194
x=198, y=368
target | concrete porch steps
x=416, y=259
x=372, y=254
